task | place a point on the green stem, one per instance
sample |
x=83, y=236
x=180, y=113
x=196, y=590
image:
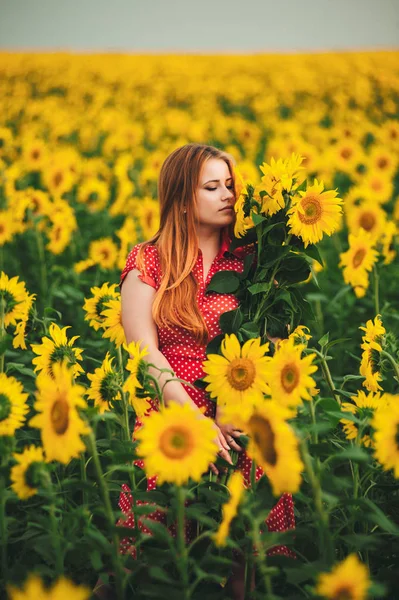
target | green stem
x=181, y=544
x=376, y=278
x=42, y=266
x=3, y=528
x=119, y=577
x=83, y=476
x=315, y=435
x=326, y=543
x=261, y=559
x=124, y=398
x=48, y=485
x=2, y=331
x=393, y=362
x=327, y=375
x=253, y=476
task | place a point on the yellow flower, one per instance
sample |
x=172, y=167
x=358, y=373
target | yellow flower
x=348, y=580
x=368, y=216
x=55, y=349
x=148, y=216
x=24, y=475
x=104, y=252
x=134, y=364
x=15, y=298
x=13, y=405
x=386, y=427
x=63, y=589
x=236, y=490
x=83, y=265
x=289, y=375
x=104, y=387
x=58, y=178
x=59, y=233
x=112, y=323
x=177, y=443
x=358, y=261
x=7, y=227
x=57, y=402
x=274, y=447
x=387, y=239
x=243, y=223
x=97, y=303
x=364, y=407
x=94, y=193
x=369, y=365
x=34, y=154
x=239, y=376
x=315, y=213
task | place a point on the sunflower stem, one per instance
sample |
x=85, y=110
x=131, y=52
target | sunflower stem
x=181, y=544
x=327, y=375
x=2, y=330
x=43, y=269
x=376, y=279
x=261, y=558
x=49, y=487
x=83, y=475
x=3, y=527
x=253, y=476
x=124, y=398
x=102, y=484
x=393, y=362
x=326, y=544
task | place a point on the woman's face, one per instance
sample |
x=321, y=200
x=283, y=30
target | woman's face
x=215, y=194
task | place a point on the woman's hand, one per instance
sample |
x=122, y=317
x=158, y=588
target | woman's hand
x=224, y=448
x=229, y=432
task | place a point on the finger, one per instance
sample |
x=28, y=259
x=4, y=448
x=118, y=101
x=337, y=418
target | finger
x=214, y=469
x=235, y=446
x=223, y=442
x=225, y=454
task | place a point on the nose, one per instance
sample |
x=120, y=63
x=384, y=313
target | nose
x=228, y=194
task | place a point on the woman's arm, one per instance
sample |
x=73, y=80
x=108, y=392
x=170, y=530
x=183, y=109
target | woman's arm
x=137, y=298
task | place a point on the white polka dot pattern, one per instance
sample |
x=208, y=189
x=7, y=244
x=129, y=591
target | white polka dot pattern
x=186, y=358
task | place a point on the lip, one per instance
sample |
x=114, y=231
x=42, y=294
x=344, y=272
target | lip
x=227, y=208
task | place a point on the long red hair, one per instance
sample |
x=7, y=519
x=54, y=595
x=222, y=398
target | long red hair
x=175, y=303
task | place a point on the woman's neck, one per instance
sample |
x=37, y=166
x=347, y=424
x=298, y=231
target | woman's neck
x=209, y=242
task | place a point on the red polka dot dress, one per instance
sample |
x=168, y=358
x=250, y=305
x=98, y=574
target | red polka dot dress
x=186, y=358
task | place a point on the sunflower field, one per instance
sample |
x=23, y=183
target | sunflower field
x=307, y=366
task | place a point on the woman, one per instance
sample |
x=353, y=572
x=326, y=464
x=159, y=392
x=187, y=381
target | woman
x=164, y=301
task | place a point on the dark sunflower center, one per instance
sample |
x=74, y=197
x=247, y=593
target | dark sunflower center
x=241, y=373
x=358, y=257
x=263, y=436
x=346, y=153
x=311, y=211
x=376, y=185
x=343, y=593
x=289, y=377
x=176, y=442
x=57, y=179
x=382, y=163
x=109, y=387
x=5, y=407
x=367, y=221
x=35, y=154
x=2, y=228
x=8, y=300
x=33, y=474
x=59, y=354
x=60, y=416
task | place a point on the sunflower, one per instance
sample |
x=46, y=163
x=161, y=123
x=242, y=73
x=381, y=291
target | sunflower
x=274, y=446
x=236, y=490
x=112, y=323
x=364, y=407
x=369, y=365
x=289, y=374
x=97, y=303
x=94, y=193
x=34, y=154
x=83, y=265
x=358, y=260
x=315, y=213
x=134, y=363
x=63, y=589
x=348, y=580
x=240, y=374
x=7, y=227
x=386, y=440
x=243, y=220
x=15, y=298
x=55, y=349
x=59, y=233
x=177, y=443
x=368, y=216
x=25, y=475
x=104, y=252
x=58, y=179
x=57, y=402
x=147, y=214
x=105, y=384
x=387, y=240
x=13, y=405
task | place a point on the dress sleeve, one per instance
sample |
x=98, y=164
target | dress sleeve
x=151, y=275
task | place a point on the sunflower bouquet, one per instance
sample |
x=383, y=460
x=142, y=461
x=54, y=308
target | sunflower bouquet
x=284, y=217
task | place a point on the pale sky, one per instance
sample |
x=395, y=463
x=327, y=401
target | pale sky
x=201, y=26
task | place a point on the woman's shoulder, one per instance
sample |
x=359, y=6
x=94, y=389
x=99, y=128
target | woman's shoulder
x=151, y=271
